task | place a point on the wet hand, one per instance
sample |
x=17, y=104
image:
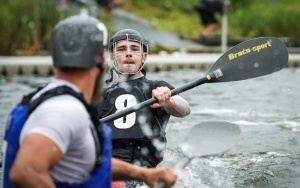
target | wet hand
x=163, y=95
x=156, y=175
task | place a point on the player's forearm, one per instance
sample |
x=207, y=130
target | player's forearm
x=28, y=177
x=125, y=171
x=151, y=176
x=181, y=108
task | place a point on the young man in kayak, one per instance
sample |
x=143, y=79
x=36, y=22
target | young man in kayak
x=139, y=137
x=52, y=138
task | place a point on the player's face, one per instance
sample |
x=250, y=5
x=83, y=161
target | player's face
x=128, y=56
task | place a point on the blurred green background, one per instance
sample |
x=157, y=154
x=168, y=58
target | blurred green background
x=26, y=25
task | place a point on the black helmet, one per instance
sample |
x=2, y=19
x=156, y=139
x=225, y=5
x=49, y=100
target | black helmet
x=78, y=42
x=128, y=34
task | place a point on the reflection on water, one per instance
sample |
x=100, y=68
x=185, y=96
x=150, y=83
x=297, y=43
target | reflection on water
x=267, y=109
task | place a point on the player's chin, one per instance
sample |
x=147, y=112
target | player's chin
x=129, y=69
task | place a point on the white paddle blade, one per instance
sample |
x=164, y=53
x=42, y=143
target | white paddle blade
x=210, y=138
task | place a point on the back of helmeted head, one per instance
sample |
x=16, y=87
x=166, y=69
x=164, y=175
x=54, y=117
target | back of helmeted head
x=78, y=42
x=127, y=34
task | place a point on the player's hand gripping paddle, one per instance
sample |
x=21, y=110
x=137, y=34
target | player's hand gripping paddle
x=249, y=59
x=207, y=139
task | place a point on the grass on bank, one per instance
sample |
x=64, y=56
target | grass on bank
x=26, y=25
x=246, y=18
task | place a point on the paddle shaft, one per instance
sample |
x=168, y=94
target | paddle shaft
x=153, y=100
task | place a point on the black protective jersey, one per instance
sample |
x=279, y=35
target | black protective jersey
x=142, y=128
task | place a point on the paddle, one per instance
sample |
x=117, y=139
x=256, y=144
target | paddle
x=207, y=139
x=249, y=59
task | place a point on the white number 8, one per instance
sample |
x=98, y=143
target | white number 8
x=122, y=102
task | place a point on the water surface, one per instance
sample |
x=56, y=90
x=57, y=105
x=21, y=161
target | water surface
x=267, y=109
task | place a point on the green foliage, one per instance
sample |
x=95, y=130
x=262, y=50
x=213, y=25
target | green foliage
x=246, y=18
x=26, y=25
x=237, y=4
x=176, y=16
x=278, y=19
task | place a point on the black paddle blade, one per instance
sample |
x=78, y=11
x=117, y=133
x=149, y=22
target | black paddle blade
x=210, y=138
x=250, y=59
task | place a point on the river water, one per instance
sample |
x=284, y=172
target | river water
x=267, y=110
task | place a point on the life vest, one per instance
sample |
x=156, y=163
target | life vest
x=101, y=174
x=137, y=129
x=130, y=93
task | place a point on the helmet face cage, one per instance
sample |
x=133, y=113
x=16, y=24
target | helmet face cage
x=139, y=50
x=135, y=50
